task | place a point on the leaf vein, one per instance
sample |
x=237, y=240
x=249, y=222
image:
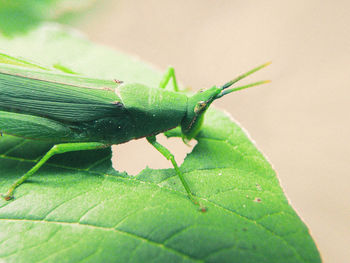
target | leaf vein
x=161, y=245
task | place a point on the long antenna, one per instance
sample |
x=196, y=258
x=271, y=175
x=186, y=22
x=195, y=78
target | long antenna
x=230, y=83
x=242, y=87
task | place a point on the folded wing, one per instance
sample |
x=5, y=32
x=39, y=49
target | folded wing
x=57, y=101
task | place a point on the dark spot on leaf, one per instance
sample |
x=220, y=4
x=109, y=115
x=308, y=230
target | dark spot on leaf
x=118, y=81
x=203, y=209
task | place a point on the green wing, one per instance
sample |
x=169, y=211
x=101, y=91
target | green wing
x=33, y=127
x=57, y=101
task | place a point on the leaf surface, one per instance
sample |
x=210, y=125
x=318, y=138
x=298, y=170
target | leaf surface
x=78, y=209
x=22, y=15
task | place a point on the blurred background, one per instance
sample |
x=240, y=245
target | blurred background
x=300, y=121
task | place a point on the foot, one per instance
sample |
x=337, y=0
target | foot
x=8, y=196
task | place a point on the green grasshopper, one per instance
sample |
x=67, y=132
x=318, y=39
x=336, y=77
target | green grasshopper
x=77, y=118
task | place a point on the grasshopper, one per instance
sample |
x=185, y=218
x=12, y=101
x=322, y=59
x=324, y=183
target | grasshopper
x=79, y=118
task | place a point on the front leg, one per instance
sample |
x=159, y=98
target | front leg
x=56, y=149
x=167, y=154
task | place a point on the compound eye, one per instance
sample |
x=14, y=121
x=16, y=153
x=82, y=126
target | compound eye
x=200, y=106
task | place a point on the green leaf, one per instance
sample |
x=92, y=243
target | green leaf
x=78, y=209
x=21, y=15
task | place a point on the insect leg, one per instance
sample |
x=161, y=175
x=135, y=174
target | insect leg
x=167, y=154
x=56, y=149
x=166, y=78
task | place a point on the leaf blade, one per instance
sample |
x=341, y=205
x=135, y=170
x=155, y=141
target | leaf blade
x=108, y=215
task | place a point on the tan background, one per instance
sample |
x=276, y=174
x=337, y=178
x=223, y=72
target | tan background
x=300, y=121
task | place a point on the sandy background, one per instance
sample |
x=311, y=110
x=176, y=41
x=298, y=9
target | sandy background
x=300, y=120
